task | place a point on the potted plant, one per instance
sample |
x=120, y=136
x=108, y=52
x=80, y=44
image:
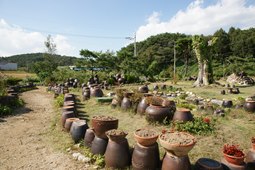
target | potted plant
x=146, y=137
x=253, y=142
x=233, y=154
x=177, y=143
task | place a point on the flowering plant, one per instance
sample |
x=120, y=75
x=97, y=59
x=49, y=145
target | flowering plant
x=233, y=150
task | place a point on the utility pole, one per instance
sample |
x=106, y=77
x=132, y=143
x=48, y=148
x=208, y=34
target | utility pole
x=133, y=38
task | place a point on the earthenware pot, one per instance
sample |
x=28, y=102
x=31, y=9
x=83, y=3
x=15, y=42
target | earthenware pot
x=65, y=115
x=69, y=97
x=69, y=122
x=183, y=115
x=233, y=159
x=86, y=93
x=99, y=145
x=116, y=135
x=126, y=103
x=143, y=104
x=176, y=163
x=249, y=106
x=96, y=92
x=158, y=113
x=68, y=108
x=100, y=126
x=227, y=103
x=89, y=137
x=208, y=164
x=143, y=89
x=146, y=157
x=78, y=130
x=148, y=137
x=117, y=154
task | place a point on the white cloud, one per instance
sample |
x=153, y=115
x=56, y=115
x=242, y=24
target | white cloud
x=196, y=19
x=15, y=40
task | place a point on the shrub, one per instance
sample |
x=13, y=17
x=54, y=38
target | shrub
x=59, y=101
x=4, y=110
x=11, y=81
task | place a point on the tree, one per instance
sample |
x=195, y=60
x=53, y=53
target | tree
x=202, y=46
x=90, y=58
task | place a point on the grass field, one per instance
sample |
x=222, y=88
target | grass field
x=17, y=74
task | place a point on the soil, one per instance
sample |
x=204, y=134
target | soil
x=25, y=141
x=116, y=132
x=178, y=138
x=105, y=118
x=145, y=133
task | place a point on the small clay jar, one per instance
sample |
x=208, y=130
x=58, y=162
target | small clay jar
x=78, y=130
x=143, y=89
x=249, y=106
x=227, y=103
x=89, y=137
x=126, y=103
x=66, y=115
x=96, y=92
x=183, y=115
x=69, y=122
x=86, y=93
x=99, y=145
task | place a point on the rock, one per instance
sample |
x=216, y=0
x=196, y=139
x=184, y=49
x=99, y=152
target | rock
x=76, y=155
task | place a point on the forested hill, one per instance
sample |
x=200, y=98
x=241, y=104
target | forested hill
x=26, y=60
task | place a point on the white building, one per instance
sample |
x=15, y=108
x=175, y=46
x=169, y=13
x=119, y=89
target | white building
x=8, y=66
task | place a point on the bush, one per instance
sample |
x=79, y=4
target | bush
x=132, y=79
x=59, y=101
x=200, y=125
x=12, y=81
x=4, y=110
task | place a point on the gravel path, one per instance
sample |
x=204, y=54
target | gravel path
x=23, y=139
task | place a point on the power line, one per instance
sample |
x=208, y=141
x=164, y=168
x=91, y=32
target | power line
x=75, y=35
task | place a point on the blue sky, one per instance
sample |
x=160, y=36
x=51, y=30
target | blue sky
x=24, y=24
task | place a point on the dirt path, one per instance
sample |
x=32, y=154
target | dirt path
x=23, y=139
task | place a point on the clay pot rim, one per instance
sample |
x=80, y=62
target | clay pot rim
x=80, y=122
x=160, y=106
x=183, y=109
x=250, y=101
x=64, y=107
x=72, y=119
x=109, y=136
x=112, y=120
x=234, y=157
x=151, y=137
x=175, y=144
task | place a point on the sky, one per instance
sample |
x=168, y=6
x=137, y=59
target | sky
x=100, y=25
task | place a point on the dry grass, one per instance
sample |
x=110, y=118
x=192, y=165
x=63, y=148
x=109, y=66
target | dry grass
x=17, y=74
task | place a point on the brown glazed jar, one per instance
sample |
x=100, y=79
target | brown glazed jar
x=182, y=114
x=143, y=89
x=249, y=106
x=117, y=154
x=89, y=137
x=99, y=145
x=96, y=92
x=86, y=93
x=146, y=157
x=158, y=113
x=177, y=163
x=66, y=115
x=126, y=103
x=142, y=106
x=78, y=130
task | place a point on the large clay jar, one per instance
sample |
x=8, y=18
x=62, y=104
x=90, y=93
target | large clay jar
x=146, y=157
x=143, y=89
x=208, y=164
x=142, y=105
x=66, y=115
x=69, y=122
x=177, y=163
x=78, y=130
x=158, y=113
x=99, y=145
x=117, y=154
x=249, y=106
x=101, y=124
x=89, y=137
x=96, y=92
x=183, y=115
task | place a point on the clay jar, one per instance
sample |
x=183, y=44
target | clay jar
x=142, y=105
x=101, y=124
x=146, y=137
x=78, y=130
x=69, y=97
x=177, y=163
x=145, y=157
x=96, y=92
x=143, y=89
x=69, y=103
x=158, y=113
x=126, y=102
x=68, y=108
x=227, y=103
x=69, y=122
x=66, y=115
x=99, y=145
x=117, y=154
x=249, y=106
x=208, y=164
x=183, y=115
x=86, y=93
x=89, y=137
